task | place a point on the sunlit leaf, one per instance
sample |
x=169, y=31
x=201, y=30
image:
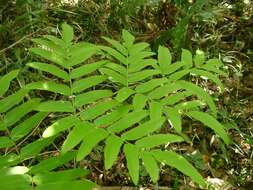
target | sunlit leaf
x=144, y=129
x=60, y=125
x=5, y=81
x=164, y=59
x=157, y=140
x=91, y=96
x=211, y=122
x=180, y=163
x=49, y=86
x=91, y=139
x=55, y=106
x=111, y=151
x=151, y=166
x=132, y=158
x=128, y=120
x=49, y=68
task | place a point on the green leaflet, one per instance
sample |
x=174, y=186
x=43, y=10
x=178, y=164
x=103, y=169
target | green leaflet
x=155, y=109
x=139, y=102
x=51, y=56
x=67, y=33
x=55, y=40
x=127, y=121
x=91, y=97
x=86, y=69
x=49, y=86
x=60, y=125
x=34, y=148
x=150, y=85
x=63, y=176
x=112, y=117
x=12, y=100
x=76, y=135
x=194, y=89
x=135, y=59
x=16, y=170
x=199, y=58
x=151, y=166
x=178, y=75
x=115, y=54
x=80, y=47
x=175, y=66
x=114, y=76
x=132, y=158
x=138, y=47
x=116, y=45
x=141, y=64
x=18, y=112
x=111, y=150
x=124, y=93
x=211, y=122
x=190, y=105
x=163, y=91
x=174, y=98
x=83, y=84
x=214, y=62
x=80, y=55
x=174, y=118
x=212, y=68
x=128, y=38
x=6, y=142
x=144, y=129
x=15, y=182
x=157, y=140
x=164, y=59
x=50, y=45
x=9, y=160
x=118, y=68
x=66, y=185
x=27, y=126
x=91, y=139
x=98, y=109
x=6, y=80
x=141, y=75
x=49, y=68
x=52, y=163
x=55, y=106
x=180, y=163
x=209, y=76
x=186, y=57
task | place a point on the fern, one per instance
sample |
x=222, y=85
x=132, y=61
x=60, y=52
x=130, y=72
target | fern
x=122, y=99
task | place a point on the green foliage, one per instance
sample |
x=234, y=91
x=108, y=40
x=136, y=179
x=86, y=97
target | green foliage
x=124, y=99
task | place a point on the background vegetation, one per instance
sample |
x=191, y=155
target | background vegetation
x=220, y=28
